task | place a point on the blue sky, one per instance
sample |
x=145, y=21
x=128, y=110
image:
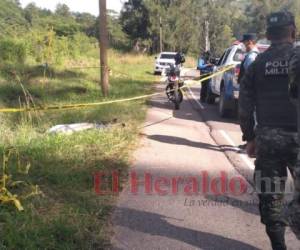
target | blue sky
x=90, y=6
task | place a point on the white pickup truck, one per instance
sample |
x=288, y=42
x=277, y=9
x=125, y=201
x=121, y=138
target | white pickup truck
x=226, y=85
x=163, y=61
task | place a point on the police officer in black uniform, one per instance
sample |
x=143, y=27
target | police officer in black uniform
x=274, y=141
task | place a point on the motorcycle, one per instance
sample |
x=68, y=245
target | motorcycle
x=174, y=86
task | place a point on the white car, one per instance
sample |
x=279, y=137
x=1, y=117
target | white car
x=163, y=61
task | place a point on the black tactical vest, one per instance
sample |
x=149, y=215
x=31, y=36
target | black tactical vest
x=273, y=106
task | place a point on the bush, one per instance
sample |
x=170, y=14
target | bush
x=46, y=46
x=43, y=46
x=80, y=44
x=12, y=52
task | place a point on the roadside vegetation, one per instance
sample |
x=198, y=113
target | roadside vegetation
x=51, y=66
x=68, y=214
x=51, y=58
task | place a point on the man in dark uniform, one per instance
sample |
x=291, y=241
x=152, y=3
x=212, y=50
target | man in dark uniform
x=249, y=41
x=274, y=142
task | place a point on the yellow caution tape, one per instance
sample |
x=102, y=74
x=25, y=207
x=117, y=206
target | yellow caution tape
x=85, y=105
x=5, y=195
x=209, y=76
x=73, y=106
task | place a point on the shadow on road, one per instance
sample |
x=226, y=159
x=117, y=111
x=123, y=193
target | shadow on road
x=210, y=114
x=162, y=104
x=182, y=141
x=139, y=221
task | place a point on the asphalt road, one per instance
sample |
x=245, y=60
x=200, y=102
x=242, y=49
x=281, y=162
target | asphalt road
x=193, y=186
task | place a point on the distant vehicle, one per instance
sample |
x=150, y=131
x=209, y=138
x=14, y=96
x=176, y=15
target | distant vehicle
x=226, y=85
x=163, y=61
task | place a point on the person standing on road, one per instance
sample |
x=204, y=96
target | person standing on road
x=264, y=89
x=206, y=67
x=249, y=41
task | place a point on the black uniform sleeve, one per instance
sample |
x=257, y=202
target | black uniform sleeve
x=294, y=75
x=247, y=104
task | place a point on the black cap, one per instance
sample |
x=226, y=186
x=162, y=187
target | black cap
x=207, y=53
x=280, y=19
x=249, y=37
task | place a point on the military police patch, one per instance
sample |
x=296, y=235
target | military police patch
x=277, y=68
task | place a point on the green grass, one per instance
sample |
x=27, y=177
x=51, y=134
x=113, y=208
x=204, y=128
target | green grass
x=69, y=215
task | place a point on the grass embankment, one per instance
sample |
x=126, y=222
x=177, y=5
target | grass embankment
x=69, y=215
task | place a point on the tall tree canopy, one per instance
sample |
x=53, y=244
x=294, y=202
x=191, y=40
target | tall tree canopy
x=183, y=21
x=139, y=22
x=135, y=19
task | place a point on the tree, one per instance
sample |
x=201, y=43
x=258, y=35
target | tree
x=182, y=26
x=221, y=34
x=135, y=20
x=117, y=38
x=158, y=9
x=138, y=23
x=16, y=2
x=31, y=12
x=12, y=21
x=259, y=10
x=87, y=23
x=62, y=10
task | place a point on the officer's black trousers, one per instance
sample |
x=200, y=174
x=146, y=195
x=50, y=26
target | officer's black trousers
x=277, y=152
